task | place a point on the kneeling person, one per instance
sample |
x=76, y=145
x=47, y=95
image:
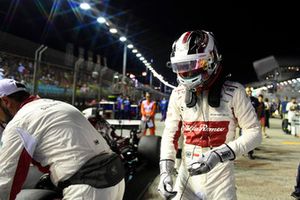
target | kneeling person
x=57, y=138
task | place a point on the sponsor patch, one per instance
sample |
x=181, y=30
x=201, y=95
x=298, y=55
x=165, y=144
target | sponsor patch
x=206, y=133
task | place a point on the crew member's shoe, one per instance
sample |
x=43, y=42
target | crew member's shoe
x=251, y=156
x=296, y=195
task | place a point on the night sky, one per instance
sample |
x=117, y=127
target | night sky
x=245, y=30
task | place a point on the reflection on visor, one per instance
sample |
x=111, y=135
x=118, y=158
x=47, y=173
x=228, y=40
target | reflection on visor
x=194, y=73
x=187, y=66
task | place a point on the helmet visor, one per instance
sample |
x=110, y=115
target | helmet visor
x=194, y=73
x=198, y=61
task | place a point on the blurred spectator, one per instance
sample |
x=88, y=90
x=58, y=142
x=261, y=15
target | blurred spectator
x=254, y=100
x=148, y=108
x=119, y=107
x=127, y=108
x=22, y=71
x=291, y=108
x=255, y=103
x=275, y=107
x=261, y=114
x=84, y=88
x=278, y=101
x=267, y=112
x=163, y=105
x=56, y=80
x=283, y=110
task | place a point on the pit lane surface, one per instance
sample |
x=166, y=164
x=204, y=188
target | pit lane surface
x=271, y=176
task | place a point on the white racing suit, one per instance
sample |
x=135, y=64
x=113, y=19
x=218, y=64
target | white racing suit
x=205, y=128
x=57, y=138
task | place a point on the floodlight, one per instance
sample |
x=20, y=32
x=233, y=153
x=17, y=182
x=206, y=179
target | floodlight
x=101, y=20
x=113, y=30
x=85, y=6
x=123, y=39
x=130, y=46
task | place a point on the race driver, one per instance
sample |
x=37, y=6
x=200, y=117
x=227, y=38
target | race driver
x=206, y=108
x=57, y=138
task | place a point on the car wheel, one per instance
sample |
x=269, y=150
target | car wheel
x=149, y=148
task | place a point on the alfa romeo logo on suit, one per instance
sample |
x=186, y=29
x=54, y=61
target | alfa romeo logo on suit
x=205, y=133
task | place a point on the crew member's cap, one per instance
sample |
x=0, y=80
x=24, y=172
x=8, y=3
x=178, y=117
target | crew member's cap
x=10, y=86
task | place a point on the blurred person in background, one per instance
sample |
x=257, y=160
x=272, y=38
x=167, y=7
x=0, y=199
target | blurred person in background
x=163, y=105
x=268, y=107
x=205, y=108
x=284, y=115
x=127, y=108
x=283, y=111
x=275, y=107
x=261, y=114
x=59, y=140
x=291, y=107
x=148, y=110
x=120, y=107
x=254, y=102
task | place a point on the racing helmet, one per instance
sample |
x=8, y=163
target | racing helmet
x=195, y=59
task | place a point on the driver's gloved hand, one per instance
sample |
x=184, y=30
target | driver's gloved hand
x=210, y=159
x=165, y=186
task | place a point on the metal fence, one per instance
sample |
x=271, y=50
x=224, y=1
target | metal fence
x=57, y=81
x=57, y=76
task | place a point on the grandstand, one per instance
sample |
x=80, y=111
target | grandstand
x=56, y=72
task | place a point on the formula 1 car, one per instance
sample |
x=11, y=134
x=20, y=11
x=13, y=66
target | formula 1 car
x=140, y=156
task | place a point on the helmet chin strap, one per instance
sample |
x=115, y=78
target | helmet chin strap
x=190, y=98
x=214, y=94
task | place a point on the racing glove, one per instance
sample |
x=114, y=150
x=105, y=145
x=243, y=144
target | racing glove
x=165, y=186
x=210, y=159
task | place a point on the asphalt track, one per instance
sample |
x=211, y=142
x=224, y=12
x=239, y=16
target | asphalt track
x=270, y=176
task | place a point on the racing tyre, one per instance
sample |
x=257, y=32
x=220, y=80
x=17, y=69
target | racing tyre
x=149, y=148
